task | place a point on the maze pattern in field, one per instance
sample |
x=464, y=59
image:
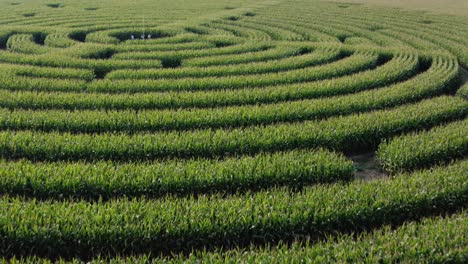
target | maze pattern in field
x=231, y=127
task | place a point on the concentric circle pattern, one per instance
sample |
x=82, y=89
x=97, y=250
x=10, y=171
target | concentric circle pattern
x=163, y=127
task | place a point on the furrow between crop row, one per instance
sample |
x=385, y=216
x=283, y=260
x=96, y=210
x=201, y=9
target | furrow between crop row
x=439, y=79
x=134, y=226
x=397, y=69
x=291, y=63
x=353, y=133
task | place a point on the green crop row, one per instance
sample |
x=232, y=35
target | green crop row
x=242, y=32
x=179, y=43
x=454, y=46
x=89, y=51
x=399, y=68
x=202, y=31
x=164, y=47
x=342, y=67
x=305, y=32
x=276, y=33
x=46, y=72
x=278, y=52
x=437, y=80
x=13, y=82
x=63, y=61
x=291, y=63
x=194, y=176
x=414, y=151
x=115, y=36
x=350, y=133
x=432, y=240
x=183, y=54
x=128, y=226
x=25, y=43
x=101, y=38
x=59, y=40
x=177, y=39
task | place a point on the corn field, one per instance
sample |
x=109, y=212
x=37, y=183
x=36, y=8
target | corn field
x=216, y=131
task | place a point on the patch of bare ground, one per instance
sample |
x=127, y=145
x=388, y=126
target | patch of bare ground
x=366, y=167
x=463, y=75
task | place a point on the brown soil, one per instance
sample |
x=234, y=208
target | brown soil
x=367, y=167
x=463, y=75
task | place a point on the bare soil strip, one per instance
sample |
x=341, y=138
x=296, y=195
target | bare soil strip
x=366, y=167
x=463, y=75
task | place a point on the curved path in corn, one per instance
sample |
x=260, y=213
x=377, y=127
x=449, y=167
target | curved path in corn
x=229, y=124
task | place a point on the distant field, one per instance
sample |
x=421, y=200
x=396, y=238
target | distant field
x=240, y=131
x=452, y=7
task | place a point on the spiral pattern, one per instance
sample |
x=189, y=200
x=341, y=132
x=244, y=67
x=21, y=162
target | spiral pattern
x=168, y=109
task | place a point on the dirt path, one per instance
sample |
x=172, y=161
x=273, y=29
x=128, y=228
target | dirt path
x=463, y=75
x=367, y=168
